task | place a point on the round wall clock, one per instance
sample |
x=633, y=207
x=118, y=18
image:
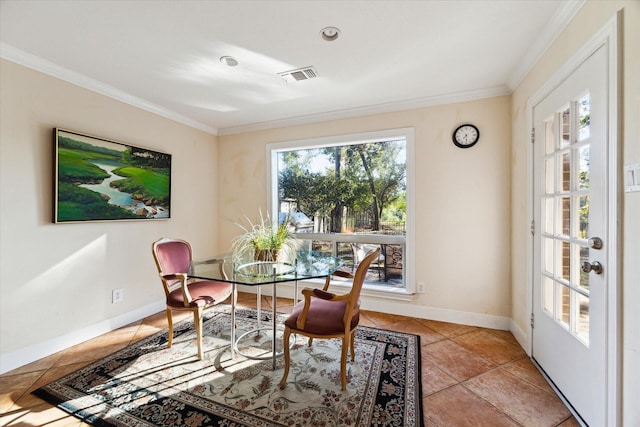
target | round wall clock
x=466, y=136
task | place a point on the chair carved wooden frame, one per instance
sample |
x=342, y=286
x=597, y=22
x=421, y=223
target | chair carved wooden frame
x=174, y=260
x=323, y=314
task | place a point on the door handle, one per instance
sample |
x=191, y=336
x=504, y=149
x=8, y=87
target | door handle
x=595, y=243
x=595, y=266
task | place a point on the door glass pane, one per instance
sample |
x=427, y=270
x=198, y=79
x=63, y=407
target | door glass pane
x=549, y=138
x=565, y=212
x=547, y=247
x=583, y=216
x=547, y=295
x=549, y=186
x=584, y=160
x=582, y=321
x=565, y=260
x=584, y=117
x=564, y=301
x=565, y=128
x=566, y=172
x=565, y=218
x=548, y=216
x=584, y=277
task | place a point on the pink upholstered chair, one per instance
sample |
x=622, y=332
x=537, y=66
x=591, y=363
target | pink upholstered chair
x=173, y=258
x=323, y=314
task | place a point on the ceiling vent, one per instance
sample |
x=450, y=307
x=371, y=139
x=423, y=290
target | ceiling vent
x=300, y=74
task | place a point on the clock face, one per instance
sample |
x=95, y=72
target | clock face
x=466, y=136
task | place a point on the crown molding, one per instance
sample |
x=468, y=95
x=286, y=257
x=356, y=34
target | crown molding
x=28, y=60
x=31, y=61
x=553, y=29
x=388, y=107
x=548, y=35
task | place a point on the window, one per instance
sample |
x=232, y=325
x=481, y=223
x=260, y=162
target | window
x=348, y=194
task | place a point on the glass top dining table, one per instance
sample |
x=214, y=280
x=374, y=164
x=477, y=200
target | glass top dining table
x=227, y=268
x=306, y=265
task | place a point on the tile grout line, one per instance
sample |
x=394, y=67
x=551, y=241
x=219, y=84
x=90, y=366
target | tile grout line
x=380, y=322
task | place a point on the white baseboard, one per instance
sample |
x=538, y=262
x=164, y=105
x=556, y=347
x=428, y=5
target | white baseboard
x=520, y=336
x=38, y=351
x=439, y=314
x=18, y=358
x=391, y=306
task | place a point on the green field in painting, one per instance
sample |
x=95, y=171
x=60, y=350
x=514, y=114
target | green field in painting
x=151, y=184
x=76, y=203
x=74, y=167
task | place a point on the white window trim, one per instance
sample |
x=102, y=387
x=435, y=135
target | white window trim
x=409, y=135
x=286, y=290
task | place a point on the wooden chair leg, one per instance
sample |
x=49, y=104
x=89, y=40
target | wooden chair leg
x=353, y=345
x=343, y=361
x=287, y=356
x=197, y=320
x=170, y=323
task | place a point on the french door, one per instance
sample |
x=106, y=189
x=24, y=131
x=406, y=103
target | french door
x=571, y=242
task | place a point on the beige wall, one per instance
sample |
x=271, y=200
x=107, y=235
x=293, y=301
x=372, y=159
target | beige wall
x=592, y=17
x=462, y=202
x=65, y=272
x=471, y=205
x=56, y=279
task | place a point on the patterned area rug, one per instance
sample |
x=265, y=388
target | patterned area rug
x=148, y=384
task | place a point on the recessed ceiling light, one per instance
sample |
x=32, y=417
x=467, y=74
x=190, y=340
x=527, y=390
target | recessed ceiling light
x=330, y=33
x=229, y=60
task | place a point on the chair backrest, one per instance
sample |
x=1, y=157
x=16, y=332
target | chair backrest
x=172, y=256
x=359, y=276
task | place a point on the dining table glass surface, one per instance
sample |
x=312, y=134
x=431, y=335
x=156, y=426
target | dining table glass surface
x=305, y=265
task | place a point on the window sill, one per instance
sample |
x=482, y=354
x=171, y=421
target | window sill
x=374, y=291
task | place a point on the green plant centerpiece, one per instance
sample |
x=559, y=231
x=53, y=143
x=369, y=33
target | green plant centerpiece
x=265, y=240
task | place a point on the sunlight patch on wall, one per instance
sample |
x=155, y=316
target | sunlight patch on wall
x=76, y=272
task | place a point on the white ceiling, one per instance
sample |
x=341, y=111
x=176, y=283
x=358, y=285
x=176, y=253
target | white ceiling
x=163, y=55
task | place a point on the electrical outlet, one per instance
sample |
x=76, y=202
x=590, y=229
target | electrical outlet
x=117, y=295
x=420, y=288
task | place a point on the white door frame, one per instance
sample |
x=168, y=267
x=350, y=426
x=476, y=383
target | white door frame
x=608, y=36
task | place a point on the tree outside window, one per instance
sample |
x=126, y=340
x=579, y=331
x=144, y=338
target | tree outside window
x=355, y=189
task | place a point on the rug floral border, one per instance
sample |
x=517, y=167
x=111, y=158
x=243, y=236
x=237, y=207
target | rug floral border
x=99, y=397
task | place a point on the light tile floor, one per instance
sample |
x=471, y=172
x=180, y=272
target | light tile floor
x=470, y=376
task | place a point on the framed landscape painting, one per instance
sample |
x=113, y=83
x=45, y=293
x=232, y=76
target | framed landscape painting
x=99, y=180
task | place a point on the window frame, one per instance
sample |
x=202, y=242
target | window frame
x=272, y=150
